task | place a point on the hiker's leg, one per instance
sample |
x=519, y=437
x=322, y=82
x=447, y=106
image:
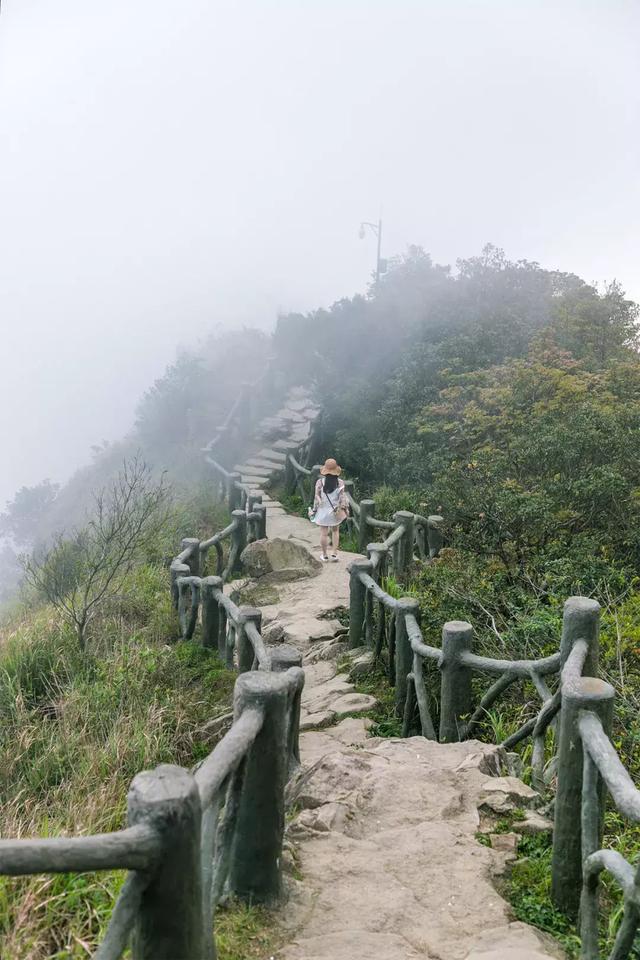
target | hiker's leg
x=324, y=540
x=335, y=538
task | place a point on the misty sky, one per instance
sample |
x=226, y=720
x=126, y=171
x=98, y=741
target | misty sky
x=166, y=166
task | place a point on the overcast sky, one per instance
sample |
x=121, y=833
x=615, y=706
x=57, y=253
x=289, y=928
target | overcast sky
x=166, y=166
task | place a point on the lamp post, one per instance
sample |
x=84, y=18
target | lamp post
x=376, y=229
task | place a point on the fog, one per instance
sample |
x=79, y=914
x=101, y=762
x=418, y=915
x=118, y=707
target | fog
x=166, y=167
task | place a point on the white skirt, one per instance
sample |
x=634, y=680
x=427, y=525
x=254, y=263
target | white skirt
x=326, y=517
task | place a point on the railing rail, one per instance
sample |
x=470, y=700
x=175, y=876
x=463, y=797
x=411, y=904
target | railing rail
x=586, y=761
x=192, y=837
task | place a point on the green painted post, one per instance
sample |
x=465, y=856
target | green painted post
x=584, y=693
x=169, y=921
x=234, y=495
x=238, y=537
x=434, y=535
x=455, y=684
x=404, y=552
x=357, y=592
x=211, y=614
x=581, y=620
x=403, y=651
x=256, y=848
x=367, y=510
x=246, y=653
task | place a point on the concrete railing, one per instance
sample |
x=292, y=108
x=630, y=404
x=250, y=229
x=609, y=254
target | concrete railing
x=580, y=709
x=192, y=837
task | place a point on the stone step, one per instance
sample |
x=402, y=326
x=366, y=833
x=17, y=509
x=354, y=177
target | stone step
x=265, y=465
x=255, y=469
x=275, y=455
x=251, y=480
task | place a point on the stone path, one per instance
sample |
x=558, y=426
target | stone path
x=382, y=855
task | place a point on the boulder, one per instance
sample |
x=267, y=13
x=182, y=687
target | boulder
x=279, y=560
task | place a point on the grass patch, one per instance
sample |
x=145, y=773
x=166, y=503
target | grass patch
x=244, y=932
x=74, y=731
x=528, y=889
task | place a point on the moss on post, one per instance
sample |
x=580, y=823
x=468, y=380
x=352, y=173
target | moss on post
x=455, y=685
x=169, y=923
x=584, y=693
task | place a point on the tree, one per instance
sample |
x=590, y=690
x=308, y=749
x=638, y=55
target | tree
x=24, y=515
x=79, y=573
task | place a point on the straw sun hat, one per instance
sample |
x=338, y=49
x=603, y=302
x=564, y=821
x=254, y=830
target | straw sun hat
x=331, y=468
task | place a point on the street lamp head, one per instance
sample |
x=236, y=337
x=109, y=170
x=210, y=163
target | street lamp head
x=361, y=231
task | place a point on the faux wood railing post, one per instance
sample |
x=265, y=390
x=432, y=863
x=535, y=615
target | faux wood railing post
x=367, y=510
x=211, y=633
x=193, y=560
x=313, y=479
x=403, y=651
x=169, y=924
x=289, y=476
x=357, y=592
x=434, y=535
x=455, y=684
x=581, y=621
x=283, y=658
x=256, y=850
x=238, y=537
x=233, y=494
x=246, y=653
x=177, y=570
x=585, y=693
x=404, y=548
x=188, y=605
x=261, y=510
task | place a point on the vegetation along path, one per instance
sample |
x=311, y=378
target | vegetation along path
x=383, y=855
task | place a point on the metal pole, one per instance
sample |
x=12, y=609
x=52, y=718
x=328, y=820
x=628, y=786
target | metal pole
x=379, y=245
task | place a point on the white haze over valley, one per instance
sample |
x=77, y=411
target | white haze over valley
x=168, y=167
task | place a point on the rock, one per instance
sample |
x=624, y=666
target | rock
x=255, y=595
x=503, y=794
x=329, y=650
x=273, y=632
x=314, y=721
x=362, y=665
x=489, y=760
x=280, y=560
x=506, y=843
x=533, y=823
x=323, y=819
x=353, y=703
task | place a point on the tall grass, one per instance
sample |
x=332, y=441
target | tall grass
x=75, y=729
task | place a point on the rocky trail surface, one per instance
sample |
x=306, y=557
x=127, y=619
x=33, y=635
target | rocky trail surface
x=382, y=852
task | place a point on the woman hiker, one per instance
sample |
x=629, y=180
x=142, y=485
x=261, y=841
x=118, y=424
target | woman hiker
x=330, y=507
